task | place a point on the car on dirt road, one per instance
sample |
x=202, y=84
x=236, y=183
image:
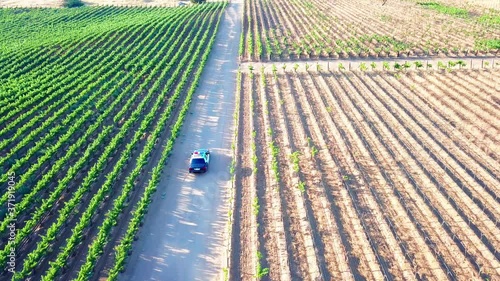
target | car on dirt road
x=200, y=158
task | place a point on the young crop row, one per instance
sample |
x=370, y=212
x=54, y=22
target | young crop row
x=276, y=30
x=108, y=142
x=404, y=192
x=245, y=228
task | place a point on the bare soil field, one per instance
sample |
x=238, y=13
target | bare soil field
x=368, y=175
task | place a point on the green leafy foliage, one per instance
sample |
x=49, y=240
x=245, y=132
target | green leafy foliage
x=491, y=18
x=363, y=67
x=295, y=160
x=73, y=3
x=126, y=243
x=314, y=151
x=274, y=162
x=255, y=206
x=302, y=186
x=487, y=44
x=144, y=71
x=260, y=271
x=448, y=10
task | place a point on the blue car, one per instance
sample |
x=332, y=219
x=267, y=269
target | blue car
x=199, y=161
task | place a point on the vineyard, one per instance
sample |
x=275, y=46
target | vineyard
x=383, y=164
x=61, y=3
x=92, y=100
x=367, y=175
x=282, y=30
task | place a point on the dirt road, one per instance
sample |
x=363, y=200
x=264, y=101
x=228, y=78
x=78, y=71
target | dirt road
x=184, y=235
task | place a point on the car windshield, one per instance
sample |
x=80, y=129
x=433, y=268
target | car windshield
x=197, y=161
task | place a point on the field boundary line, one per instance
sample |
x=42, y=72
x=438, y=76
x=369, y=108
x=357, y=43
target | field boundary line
x=389, y=65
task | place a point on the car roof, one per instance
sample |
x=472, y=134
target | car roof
x=199, y=153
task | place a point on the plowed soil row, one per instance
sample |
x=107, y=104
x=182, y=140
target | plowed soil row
x=397, y=175
x=244, y=245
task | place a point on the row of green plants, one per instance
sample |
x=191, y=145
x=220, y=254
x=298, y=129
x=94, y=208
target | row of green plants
x=272, y=145
x=396, y=66
x=68, y=69
x=315, y=38
x=388, y=66
x=294, y=156
x=114, y=92
x=86, y=217
x=118, y=91
x=96, y=248
x=67, y=49
x=103, y=78
x=236, y=120
x=125, y=246
x=121, y=87
x=250, y=35
x=255, y=158
x=260, y=271
x=489, y=17
x=488, y=44
x=445, y=9
x=61, y=77
x=48, y=203
x=23, y=30
x=27, y=66
x=241, y=48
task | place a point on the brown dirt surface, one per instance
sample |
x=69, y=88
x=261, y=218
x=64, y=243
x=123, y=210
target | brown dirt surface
x=244, y=229
x=404, y=179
